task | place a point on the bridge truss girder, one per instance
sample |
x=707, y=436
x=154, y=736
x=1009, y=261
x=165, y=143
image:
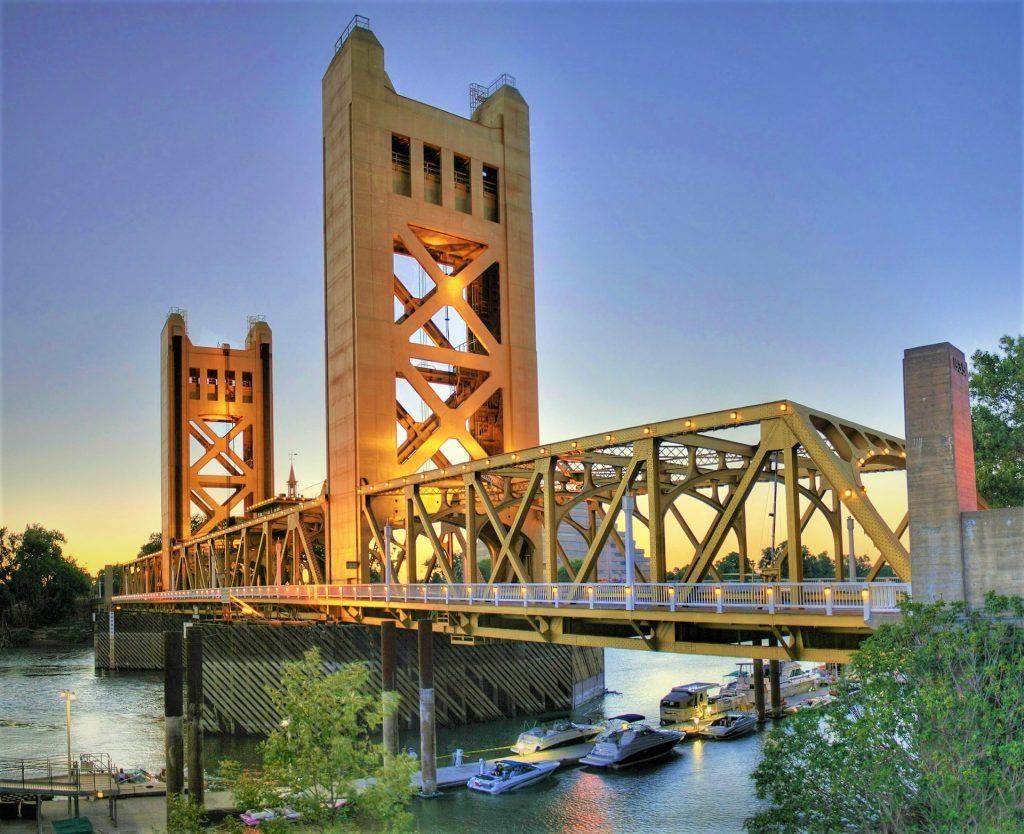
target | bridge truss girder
x=514, y=504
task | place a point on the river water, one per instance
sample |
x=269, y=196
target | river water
x=704, y=787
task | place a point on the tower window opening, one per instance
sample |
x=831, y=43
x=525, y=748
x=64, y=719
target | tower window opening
x=491, y=210
x=247, y=386
x=463, y=195
x=432, y=174
x=229, y=386
x=211, y=384
x=401, y=177
x=193, y=383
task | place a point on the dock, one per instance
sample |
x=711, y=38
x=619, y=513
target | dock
x=456, y=777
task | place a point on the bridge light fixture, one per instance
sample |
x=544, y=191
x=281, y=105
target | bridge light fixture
x=590, y=592
x=515, y=456
x=769, y=591
x=607, y=437
x=783, y=407
x=671, y=592
x=828, y=592
x=488, y=461
x=871, y=453
x=575, y=444
x=903, y=454
x=718, y=591
x=864, y=489
x=688, y=423
x=647, y=429
x=847, y=493
x=864, y=593
x=733, y=415
x=886, y=450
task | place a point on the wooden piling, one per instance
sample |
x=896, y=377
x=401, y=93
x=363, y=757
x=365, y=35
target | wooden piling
x=428, y=733
x=173, y=746
x=387, y=685
x=194, y=714
x=759, y=689
x=774, y=683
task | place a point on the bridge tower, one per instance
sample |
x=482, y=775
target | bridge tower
x=428, y=246
x=216, y=430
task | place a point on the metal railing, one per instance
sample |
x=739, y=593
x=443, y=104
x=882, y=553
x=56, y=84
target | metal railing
x=357, y=22
x=829, y=598
x=89, y=773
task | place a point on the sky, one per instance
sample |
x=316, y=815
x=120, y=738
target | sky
x=732, y=203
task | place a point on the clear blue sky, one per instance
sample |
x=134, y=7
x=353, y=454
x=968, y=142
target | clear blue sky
x=732, y=203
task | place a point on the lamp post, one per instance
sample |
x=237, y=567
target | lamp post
x=853, y=553
x=67, y=696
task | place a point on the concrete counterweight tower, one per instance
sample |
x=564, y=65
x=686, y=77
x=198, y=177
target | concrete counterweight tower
x=216, y=430
x=428, y=242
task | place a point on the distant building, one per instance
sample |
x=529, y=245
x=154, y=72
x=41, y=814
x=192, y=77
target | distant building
x=611, y=564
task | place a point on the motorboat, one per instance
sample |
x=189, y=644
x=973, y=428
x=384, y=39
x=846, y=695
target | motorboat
x=793, y=680
x=697, y=702
x=627, y=741
x=731, y=725
x=810, y=703
x=554, y=734
x=253, y=818
x=508, y=775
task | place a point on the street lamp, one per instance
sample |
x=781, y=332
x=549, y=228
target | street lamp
x=67, y=696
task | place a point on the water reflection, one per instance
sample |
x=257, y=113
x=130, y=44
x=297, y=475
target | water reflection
x=704, y=787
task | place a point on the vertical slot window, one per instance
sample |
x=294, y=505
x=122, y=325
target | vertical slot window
x=463, y=195
x=246, y=386
x=193, y=383
x=401, y=180
x=432, y=174
x=491, y=210
x=229, y=386
x=212, y=383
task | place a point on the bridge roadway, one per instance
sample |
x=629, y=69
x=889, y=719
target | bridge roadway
x=819, y=621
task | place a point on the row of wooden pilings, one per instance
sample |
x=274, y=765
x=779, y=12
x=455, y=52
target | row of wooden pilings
x=183, y=715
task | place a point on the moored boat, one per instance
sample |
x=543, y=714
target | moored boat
x=555, y=734
x=627, y=741
x=731, y=725
x=698, y=702
x=507, y=775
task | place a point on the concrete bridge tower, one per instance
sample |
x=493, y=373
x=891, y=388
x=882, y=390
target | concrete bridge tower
x=428, y=245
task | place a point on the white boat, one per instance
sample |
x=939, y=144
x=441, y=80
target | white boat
x=697, y=702
x=793, y=680
x=810, y=703
x=554, y=734
x=730, y=725
x=627, y=741
x=507, y=775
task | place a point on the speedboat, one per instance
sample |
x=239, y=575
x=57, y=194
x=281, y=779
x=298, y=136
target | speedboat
x=254, y=818
x=730, y=725
x=555, y=734
x=810, y=703
x=697, y=702
x=507, y=775
x=627, y=741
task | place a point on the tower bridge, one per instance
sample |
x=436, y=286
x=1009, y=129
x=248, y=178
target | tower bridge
x=441, y=505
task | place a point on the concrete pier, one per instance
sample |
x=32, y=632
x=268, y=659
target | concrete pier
x=428, y=732
x=173, y=742
x=194, y=714
x=389, y=726
x=759, y=689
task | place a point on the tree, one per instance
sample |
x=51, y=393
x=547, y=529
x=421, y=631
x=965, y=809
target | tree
x=152, y=545
x=40, y=583
x=930, y=737
x=323, y=761
x=563, y=574
x=997, y=411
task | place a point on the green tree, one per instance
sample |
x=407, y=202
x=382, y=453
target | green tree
x=997, y=411
x=563, y=574
x=929, y=739
x=152, y=545
x=39, y=583
x=323, y=760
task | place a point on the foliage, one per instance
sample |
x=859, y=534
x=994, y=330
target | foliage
x=930, y=739
x=997, y=411
x=323, y=761
x=563, y=574
x=184, y=816
x=152, y=545
x=39, y=584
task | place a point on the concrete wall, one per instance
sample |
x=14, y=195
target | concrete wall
x=993, y=553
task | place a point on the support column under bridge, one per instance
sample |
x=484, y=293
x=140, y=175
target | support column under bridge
x=474, y=683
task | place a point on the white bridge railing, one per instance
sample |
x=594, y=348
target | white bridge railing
x=770, y=597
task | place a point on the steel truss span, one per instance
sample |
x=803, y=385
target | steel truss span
x=513, y=505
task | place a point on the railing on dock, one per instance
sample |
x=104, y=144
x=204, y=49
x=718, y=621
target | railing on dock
x=830, y=598
x=88, y=774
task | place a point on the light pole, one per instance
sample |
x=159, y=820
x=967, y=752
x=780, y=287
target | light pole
x=853, y=553
x=67, y=696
